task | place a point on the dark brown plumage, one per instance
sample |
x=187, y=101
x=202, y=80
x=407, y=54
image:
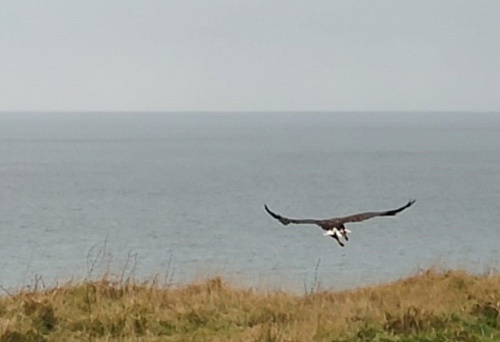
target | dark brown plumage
x=334, y=227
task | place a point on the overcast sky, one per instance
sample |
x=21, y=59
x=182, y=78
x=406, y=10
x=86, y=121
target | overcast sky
x=249, y=55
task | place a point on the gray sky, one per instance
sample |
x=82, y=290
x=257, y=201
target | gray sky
x=249, y=55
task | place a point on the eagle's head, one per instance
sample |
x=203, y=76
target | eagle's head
x=344, y=233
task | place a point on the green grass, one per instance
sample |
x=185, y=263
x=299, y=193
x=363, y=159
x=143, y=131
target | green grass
x=430, y=306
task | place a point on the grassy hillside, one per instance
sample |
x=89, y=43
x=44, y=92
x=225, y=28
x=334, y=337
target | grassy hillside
x=431, y=306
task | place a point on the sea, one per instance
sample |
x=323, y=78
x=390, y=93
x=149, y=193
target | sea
x=179, y=197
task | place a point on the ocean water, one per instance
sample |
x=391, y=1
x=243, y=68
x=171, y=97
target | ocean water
x=181, y=195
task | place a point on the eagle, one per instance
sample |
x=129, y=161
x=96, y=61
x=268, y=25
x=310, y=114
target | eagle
x=335, y=227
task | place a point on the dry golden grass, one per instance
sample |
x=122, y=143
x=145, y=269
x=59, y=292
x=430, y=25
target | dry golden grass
x=430, y=306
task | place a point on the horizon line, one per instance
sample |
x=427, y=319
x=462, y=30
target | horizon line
x=254, y=111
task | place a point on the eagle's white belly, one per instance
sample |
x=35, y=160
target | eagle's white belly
x=335, y=231
x=332, y=232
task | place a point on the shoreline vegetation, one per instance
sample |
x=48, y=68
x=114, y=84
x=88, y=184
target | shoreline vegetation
x=432, y=305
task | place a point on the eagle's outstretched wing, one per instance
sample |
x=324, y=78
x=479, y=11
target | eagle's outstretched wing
x=286, y=221
x=368, y=215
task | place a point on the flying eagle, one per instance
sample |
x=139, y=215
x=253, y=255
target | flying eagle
x=334, y=227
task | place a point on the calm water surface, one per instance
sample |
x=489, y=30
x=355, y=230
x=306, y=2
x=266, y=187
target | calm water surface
x=181, y=195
